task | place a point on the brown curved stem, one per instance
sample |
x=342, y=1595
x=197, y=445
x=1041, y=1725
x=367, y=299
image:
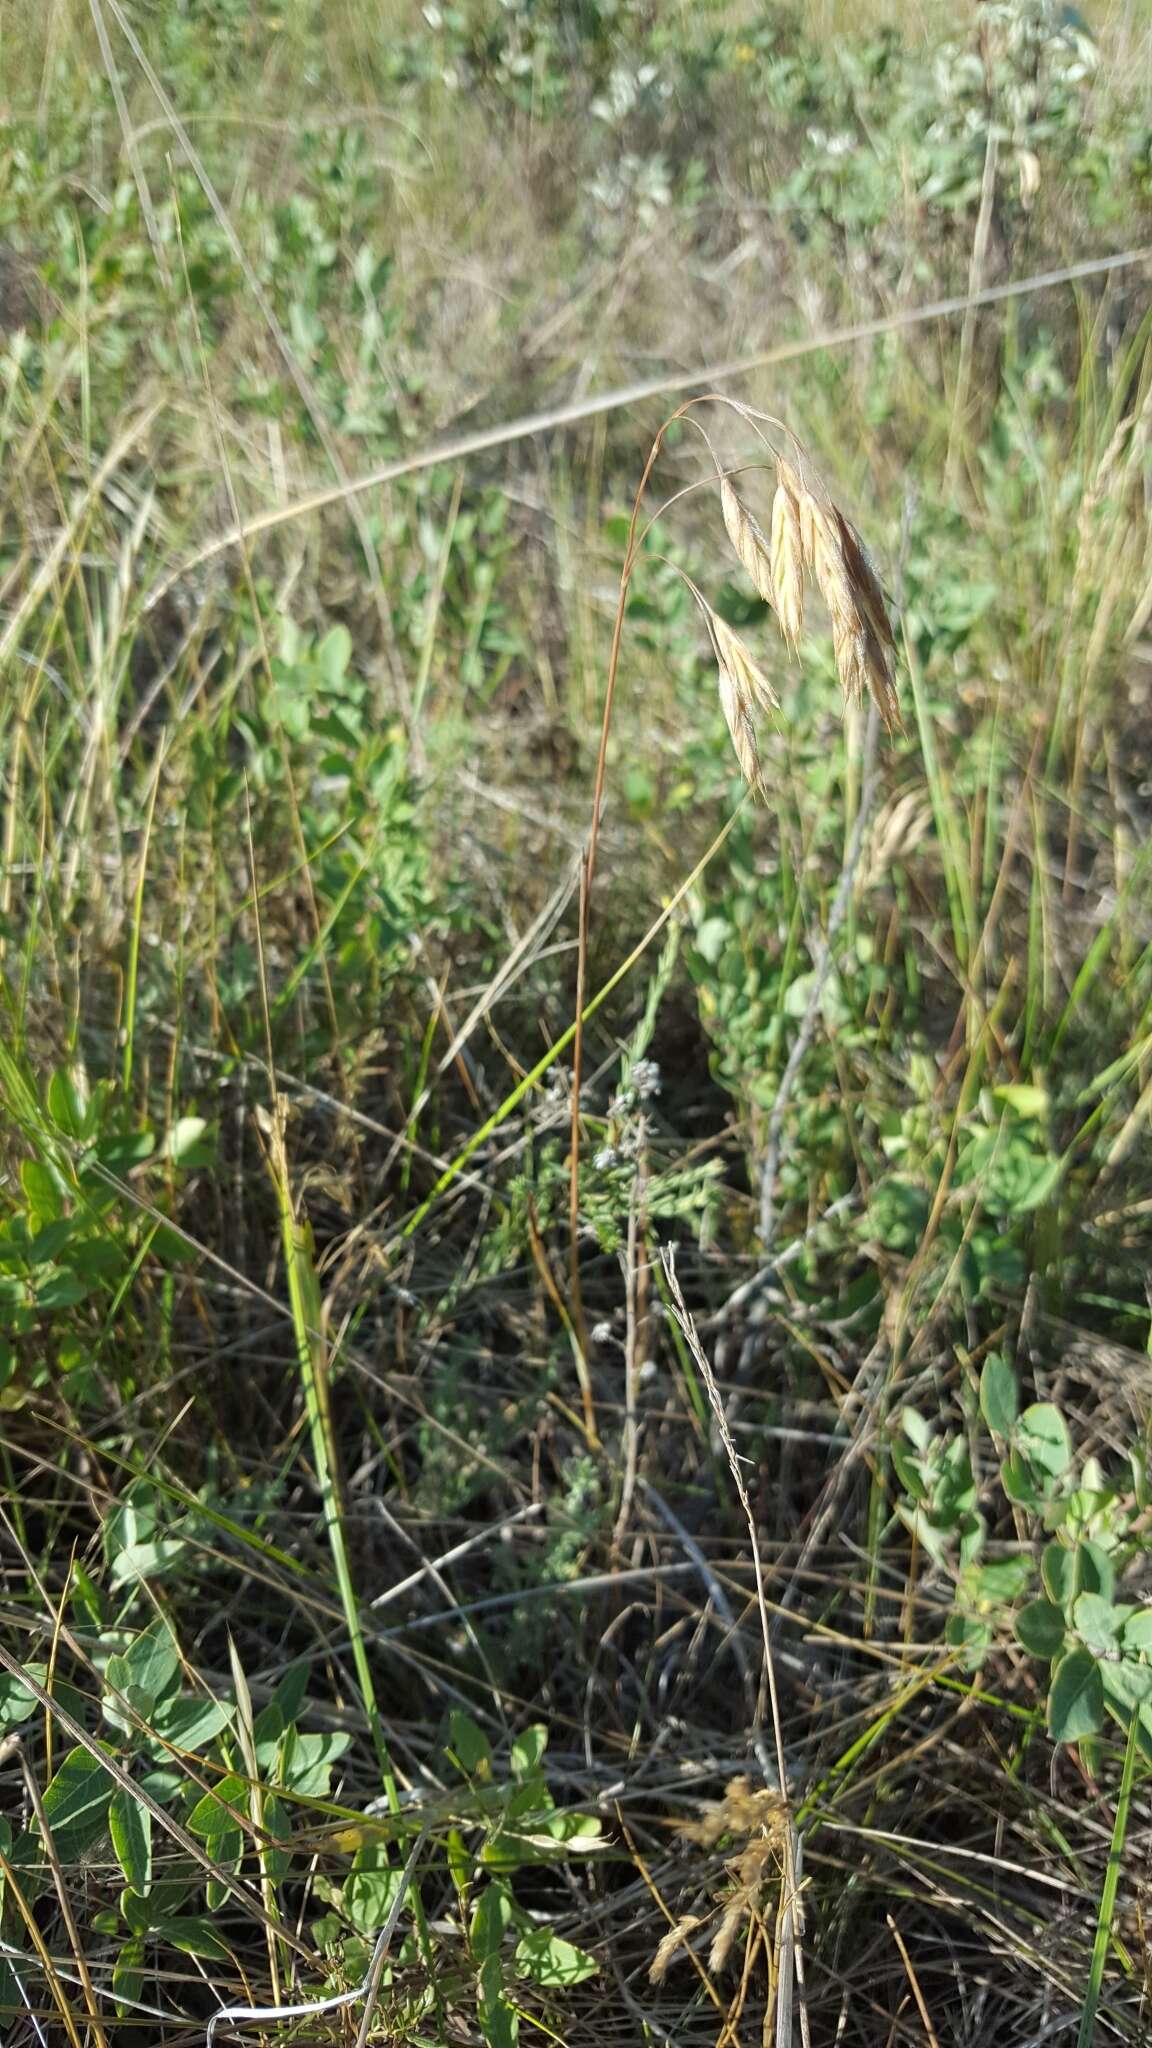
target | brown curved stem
x=587, y=878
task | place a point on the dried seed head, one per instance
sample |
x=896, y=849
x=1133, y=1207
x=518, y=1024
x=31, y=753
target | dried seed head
x=673, y=1940
x=806, y=509
x=878, y=676
x=742, y=685
x=830, y=566
x=865, y=582
x=848, y=647
x=864, y=664
x=725, y=1935
x=747, y=540
x=744, y=1810
x=737, y=709
x=788, y=563
x=751, y=680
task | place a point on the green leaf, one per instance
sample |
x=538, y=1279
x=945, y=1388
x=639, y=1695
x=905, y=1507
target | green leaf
x=459, y=1862
x=128, y=1974
x=188, y=1722
x=163, y=1900
x=130, y=1826
x=210, y=1816
x=469, y=1745
x=999, y=1403
x=499, y=2021
x=152, y=1662
x=528, y=1750
x=1095, y=1572
x=1044, y=1440
x=1096, y=1624
x=908, y=1473
x=368, y=1897
x=972, y=1534
x=712, y=935
x=1137, y=1631
x=277, y=1861
x=1058, y=1571
x=290, y=1690
x=76, y=1804
x=1076, y=1700
x=227, y=1851
x=971, y=1636
x=66, y=1105
x=186, y=1143
x=307, y=1761
x=195, y=1937
x=915, y=1429
x=16, y=1702
x=548, y=1960
x=333, y=655
x=1001, y=1583
x=1018, y=1480
x=1023, y=1098
x=41, y=1190
x=1127, y=1684
x=1040, y=1628
x=492, y=1914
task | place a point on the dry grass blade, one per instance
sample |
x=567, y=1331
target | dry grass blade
x=789, y=1957
x=749, y=542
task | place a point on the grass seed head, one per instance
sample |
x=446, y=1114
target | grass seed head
x=865, y=581
x=730, y=1924
x=830, y=567
x=737, y=709
x=674, y=1940
x=788, y=563
x=751, y=548
x=743, y=688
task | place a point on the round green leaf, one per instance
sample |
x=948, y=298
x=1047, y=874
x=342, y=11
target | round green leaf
x=1096, y=1624
x=1058, y=1571
x=1040, y=1628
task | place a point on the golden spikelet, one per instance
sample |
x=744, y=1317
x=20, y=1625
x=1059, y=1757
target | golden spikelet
x=809, y=536
x=806, y=509
x=744, y=1810
x=830, y=567
x=751, y=680
x=743, y=687
x=673, y=1941
x=748, y=1872
x=737, y=709
x=730, y=1924
x=748, y=541
x=788, y=563
x=865, y=581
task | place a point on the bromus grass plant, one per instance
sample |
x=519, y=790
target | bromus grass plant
x=574, y=1385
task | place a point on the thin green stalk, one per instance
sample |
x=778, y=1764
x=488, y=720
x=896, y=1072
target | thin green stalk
x=312, y=1351
x=133, y=975
x=1108, y=1891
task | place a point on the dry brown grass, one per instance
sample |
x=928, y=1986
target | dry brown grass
x=810, y=537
